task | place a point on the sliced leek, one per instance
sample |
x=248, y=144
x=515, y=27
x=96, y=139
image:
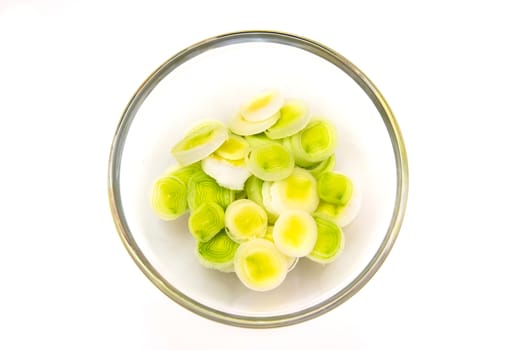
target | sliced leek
x=322, y=167
x=234, y=148
x=294, y=117
x=297, y=191
x=292, y=261
x=245, y=220
x=241, y=126
x=218, y=253
x=342, y=215
x=262, y=106
x=168, y=198
x=335, y=188
x=259, y=140
x=295, y=233
x=201, y=141
x=253, y=188
x=206, y=221
x=315, y=142
x=260, y=265
x=183, y=173
x=270, y=162
x=230, y=174
x=203, y=188
x=330, y=241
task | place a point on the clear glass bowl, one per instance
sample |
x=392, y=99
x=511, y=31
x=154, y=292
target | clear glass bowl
x=209, y=80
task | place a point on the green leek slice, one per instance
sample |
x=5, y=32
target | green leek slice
x=330, y=241
x=245, y=220
x=270, y=162
x=203, y=188
x=168, y=198
x=262, y=106
x=294, y=117
x=342, y=215
x=322, y=167
x=234, y=148
x=335, y=188
x=241, y=126
x=295, y=233
x=218, y=253
x=230, y=174
x=200, y=141
x=260, y=265
x=297, y=191
x=206, y=221
x=183, y=173
x=315, y=142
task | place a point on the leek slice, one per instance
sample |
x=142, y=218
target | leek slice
x=342, y=215
x=292, y=261
x=218, y=253
x=206, y=221
x=330, y=241
x=322, y=167
x=295, y=233
x=297, y=191
x=259, y=265
x=241, y=126
x=262, y=106
x=183, y=173
x=234, y=148
x=168, y=198
x=259, y=140
x=245, y=220
x=294, y=117
x=253, y=188
x=200, y=141
x=270, y=162
x=335, y=188
x=315, y=142
x=230, y=174
x=203, y=188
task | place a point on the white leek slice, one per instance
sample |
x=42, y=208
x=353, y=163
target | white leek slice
x=200, y=141
x=315, y=142
x=259, y=265
x=270, y=162
x=294, y=117
x=168, y=198
x=322, y=167
x=297, y=191
x=295, y=233
x=218, y=253
x=330, y=241
x=245, y=220
x=203, y=188
x=234, y=148
x=262, y=106
x=206, y=221
x=229, y=174
x=292, y=261
x=342, y=215
x=335, y=188
x=241, y=126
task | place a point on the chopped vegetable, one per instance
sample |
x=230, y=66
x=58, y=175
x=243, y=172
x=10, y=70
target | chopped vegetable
x=263, y=106
x=330, y=241
x=297, y=191
x=202, y=189
x=206, y=221
x=295, y=233
x=270, y=162
x=294, y=117
x=201, y=141
x=314, y=143
x=234, y=148
x=228, y=173
x=168, y=198
x=334, y=188
x=260, y=265
x=218, y=253
x=245, y=220
x=241, y=126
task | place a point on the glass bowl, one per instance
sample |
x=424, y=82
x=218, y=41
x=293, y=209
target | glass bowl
x=209, y=80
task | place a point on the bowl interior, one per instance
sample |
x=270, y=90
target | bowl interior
x=212, y=85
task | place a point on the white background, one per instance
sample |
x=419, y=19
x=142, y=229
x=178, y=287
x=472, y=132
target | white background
x=453, y=73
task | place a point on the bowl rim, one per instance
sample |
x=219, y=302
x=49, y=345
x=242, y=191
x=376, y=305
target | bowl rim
x=298, y=42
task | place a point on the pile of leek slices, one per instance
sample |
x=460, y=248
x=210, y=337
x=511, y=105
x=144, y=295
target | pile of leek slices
x=261, y=191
